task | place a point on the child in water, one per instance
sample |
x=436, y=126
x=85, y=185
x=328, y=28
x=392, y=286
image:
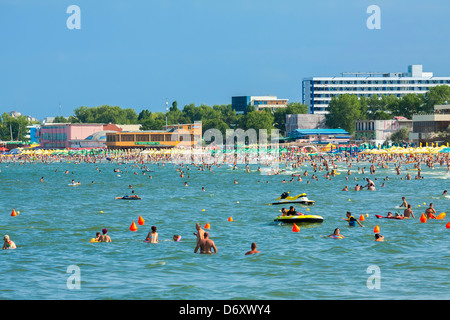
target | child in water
x=336, y=234
x=152, y=236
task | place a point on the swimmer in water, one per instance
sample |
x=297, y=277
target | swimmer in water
x=430, y=212
x=8, y=243
x=152, y=236
x=408, y=212
x=206, y=245
x=370, y=185
x=133, y=196
x=404, y=203
x=98, y=237
x=336, y=234
x=200, y=232
x=105, y=237
x=352, y=221
x=253, y=251
x=379, y=237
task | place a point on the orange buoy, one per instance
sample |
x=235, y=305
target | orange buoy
x=361, y=218
x=141, y=220
x=295, y=228
x=207, y=226
x=133, y=226
x=376, y=229
x=423, y=218
x=230, y=219
x=440, y=216
x=13, y=213
x=447, y=225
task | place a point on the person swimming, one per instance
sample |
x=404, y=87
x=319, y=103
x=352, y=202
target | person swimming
x=132, y=197
x=152, y=236
x=8, y=243
x=336, y=234
x=351, y=220
x=253, y=249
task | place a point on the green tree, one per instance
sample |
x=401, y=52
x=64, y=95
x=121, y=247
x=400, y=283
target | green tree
x=105, y=114
x=410, y=104
x=436, y=96
x=258, y=120
x=215, y=124
x=401, y=135
x=60, y=119
x=280, y=115
x=13, y=128
x=343, y=112
x=143, y=115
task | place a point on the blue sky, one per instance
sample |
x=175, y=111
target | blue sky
x=137, y=53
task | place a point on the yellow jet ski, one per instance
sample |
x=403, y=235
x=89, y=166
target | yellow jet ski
x=300, y=199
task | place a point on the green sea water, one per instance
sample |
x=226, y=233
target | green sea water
x=56, y=222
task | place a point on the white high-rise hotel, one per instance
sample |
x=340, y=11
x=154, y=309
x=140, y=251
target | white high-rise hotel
x=318, y=91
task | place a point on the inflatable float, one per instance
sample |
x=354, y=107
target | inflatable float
x=393, y=217
x=306, y=218
x=128, y=198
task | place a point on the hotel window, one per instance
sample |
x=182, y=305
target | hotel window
x=127, y=137
x=157, y=137
x=142, y=137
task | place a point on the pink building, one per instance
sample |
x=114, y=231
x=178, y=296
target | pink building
x=58, y=135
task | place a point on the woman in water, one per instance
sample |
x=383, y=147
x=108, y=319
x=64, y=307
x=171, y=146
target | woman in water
x=152, y=236
x=336, y=234
x=8, y=244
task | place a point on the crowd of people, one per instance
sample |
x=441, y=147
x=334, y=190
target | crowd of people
x=326, y=163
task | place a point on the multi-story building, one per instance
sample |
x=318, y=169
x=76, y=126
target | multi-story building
x=378, y=131
x=317, y=92
x=426, y=125
x=186, y=135
x=241, y=103
x=59, y=135
x=304, y=121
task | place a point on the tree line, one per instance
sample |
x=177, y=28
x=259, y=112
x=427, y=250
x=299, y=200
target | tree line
x=345, y=109
x=13, y=128
x=221, y=117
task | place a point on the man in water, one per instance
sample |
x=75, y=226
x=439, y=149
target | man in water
x=404, y=203
x=253, y=251
x=352, y=221
x=430, y=212
x=205, y=245
x=408, y=212
x=105, y=237
x=370, y=185
x=200, y=232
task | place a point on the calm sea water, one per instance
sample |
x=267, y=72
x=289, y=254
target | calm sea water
x=56, y=222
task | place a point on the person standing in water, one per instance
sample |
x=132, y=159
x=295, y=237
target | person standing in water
x=206, y=245
x=105, y=237
x=200, y=232
x=152, y=236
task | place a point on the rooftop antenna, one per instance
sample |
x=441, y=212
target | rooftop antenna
x=167, y=109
